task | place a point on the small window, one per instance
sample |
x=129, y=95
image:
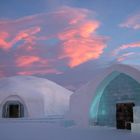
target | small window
x=13, y=109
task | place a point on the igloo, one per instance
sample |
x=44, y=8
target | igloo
x=112, y=98
x=32, y=97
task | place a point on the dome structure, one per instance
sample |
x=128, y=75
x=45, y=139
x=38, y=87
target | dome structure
x=32, y=97
x=108, y=98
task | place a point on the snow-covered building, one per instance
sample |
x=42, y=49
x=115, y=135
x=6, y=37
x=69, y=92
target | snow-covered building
x=32, y=97
x=111, y=99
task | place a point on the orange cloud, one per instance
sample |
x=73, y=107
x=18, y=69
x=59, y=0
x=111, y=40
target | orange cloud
x=88, y=28
x=126, y=46
x=132, y=22
x=24, y=61
x=84, y=30
x=80, y=44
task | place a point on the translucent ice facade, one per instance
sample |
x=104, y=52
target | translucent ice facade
x=116, y=88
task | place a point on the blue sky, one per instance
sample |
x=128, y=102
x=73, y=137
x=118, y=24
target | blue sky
x=58, y=39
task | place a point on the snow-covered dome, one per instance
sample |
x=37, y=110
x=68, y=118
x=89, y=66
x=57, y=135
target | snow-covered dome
x=32, y=97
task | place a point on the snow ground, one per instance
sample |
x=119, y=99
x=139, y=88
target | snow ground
x=41, y=131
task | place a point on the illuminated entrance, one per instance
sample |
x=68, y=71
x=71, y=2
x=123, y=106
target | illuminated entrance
x=124, y=115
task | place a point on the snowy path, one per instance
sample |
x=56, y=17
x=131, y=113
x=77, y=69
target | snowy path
x=42, y=132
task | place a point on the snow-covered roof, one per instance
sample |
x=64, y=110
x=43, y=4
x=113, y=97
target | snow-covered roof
x=136, y=67
x=41, y=96
x=132, y=70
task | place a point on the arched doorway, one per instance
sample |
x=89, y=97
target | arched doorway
x=13, y=109
x=116, y=92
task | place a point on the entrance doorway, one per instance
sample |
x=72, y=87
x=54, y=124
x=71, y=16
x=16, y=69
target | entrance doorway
x=13, y=109
x=124, y=115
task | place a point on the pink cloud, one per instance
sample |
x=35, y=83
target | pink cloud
x=64, y=37
x=27, y=35
x=4, y=35
x=132, y=22
x=25, y=61
x=24, y=34
x=4, y=44
x=126, y=46
x=81, y=43
x=125, y=56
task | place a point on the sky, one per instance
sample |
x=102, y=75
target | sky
x=67, y=40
